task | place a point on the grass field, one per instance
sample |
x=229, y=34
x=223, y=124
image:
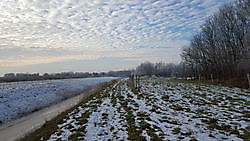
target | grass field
x=159, y=110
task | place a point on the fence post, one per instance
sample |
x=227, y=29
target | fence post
x=212, y=78
x=139, y=81
x=136, y=81
x=248, y=78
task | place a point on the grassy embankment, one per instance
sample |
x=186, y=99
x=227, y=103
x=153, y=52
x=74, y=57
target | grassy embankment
x=49, y=127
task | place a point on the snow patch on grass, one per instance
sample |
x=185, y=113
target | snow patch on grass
x=163, y=110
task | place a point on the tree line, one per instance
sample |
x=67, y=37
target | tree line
x=160, y=69
x=221, y=50
x=13, y=77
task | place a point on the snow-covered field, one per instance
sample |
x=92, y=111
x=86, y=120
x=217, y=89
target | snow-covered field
x=160, y=110
x=20, y=98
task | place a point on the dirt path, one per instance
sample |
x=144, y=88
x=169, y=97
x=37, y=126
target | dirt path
x=19, y=128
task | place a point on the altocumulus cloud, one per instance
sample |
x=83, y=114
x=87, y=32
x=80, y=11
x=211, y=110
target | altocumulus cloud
x=46, y=31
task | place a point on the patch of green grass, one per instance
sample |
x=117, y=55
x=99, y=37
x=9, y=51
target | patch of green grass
x=69, y=126
x=142, y=114
x=170, y=121
x=200, y=111
x=246, y=134
x=181, y=137
x=151, y=133
x=186, y=133
x=133, y=132
x=177, y=107
x=112, y=128
x=75, y=136
x=213, y=124
x=84, y=118
x=212, y=136
x=153, y=109
x=144, y=125
x=193, y=139
x=247, y=115
x=210, y=120
x=113, y=100
x=165, y=98
x=104, y=116
x=141, y=95
x=176, y=130
x=169, y=89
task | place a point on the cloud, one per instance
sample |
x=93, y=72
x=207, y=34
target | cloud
x=13, y=56
x=43, y=31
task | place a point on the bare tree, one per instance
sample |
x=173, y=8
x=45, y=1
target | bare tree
x=222, y=46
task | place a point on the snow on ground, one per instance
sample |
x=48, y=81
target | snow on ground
x=20, y=98
x=160, y=110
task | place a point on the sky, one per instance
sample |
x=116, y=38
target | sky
x=96, y=35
